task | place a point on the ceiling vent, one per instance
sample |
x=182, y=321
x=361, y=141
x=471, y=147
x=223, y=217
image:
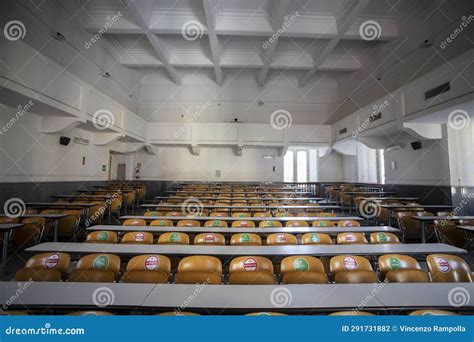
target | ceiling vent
x=437, y=90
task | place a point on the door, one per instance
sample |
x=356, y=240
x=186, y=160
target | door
x=121, y=171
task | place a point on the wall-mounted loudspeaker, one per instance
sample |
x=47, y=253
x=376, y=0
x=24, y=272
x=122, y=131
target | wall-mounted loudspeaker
x=64, y=141
x=416, y=145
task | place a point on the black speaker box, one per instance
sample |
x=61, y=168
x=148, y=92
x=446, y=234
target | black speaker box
x=64, y=141
x=416, y=145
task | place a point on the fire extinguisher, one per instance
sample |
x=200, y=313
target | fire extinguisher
x=137, y=170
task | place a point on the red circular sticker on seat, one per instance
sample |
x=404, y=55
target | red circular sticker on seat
x=244, y=223
x=250, y=264
x=281, y=238
x=350, y=238
x=52, y=261
x=349, y=263
x=139, y=237
x=151, y=263
x=210, y=238
x=443, y=264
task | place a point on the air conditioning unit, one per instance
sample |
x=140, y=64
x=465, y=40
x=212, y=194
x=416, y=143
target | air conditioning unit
x=80, y=141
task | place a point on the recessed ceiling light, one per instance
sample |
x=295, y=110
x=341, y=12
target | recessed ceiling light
x=426, y=43
x=58, y=36
x=106, y=74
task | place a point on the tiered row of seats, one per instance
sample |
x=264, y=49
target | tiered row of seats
x=248, y=270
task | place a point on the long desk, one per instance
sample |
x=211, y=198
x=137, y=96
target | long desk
x=254, y=219
x=261, y=231
x=245, y=198
x=89, y=197
x=6, y=229
x=213, y=206
x=238, y=192
x=425, y=219
x=391, y=207
x=53, y=217
x=370, y=193
x=301, y=298
x=228, y=252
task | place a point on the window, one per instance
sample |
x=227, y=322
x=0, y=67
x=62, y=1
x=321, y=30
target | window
x=302, y=166
x=381, y=161
x=288, y=169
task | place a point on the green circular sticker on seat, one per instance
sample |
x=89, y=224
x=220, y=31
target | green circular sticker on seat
x=315, y=238
x=103, y=236
x=322, y=224
x=395, y=264
x=216, y=223
x=241, y=215
x=270, y=224
x=245, y=238
x=154, y=213
x=382, y=237
x=300, y=264
x=162, y=223
x=101, y=262
x=174, y=237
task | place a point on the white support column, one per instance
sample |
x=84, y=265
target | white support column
x=210, y=12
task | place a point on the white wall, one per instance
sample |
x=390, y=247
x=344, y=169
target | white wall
x=330, y=168
x=426, y=166
x=177, y=163
x=349, y=168
x=461, y=155
x=29, y=156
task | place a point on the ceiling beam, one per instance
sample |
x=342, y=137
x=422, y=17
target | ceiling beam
x=210, y=13
x=280, y=8
x=142, y=12
x=344, y=19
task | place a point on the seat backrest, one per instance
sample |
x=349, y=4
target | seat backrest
x=209, y=239
x=150, y=268
x=269, y=223
x=174, y=213
x=99, y=261
x=323, y=223
x=173, y=238
x=316, y=239
x=215, y=223
x=262, y=214
x=219, y=214
x=188, y=223
x=134, y=222
x=240, y=214
x=351, y=313
x=448, y=233
x=445, y=268
x=43, y=263
x=153, y=213
x=327, y=214
x=199, y=269
x=382, y=238
x=251, y=270
x=165, y=223
x=431, y=312
x=349, y=263
x=293, y=223
x=102, y=236
x=306, y=214
x=246, y=239
x=394, y=262
x=347, y=223
x=37, y=221
x=351, y=238
x=139, y=238
x=302, y=270
x=281, y=239
x=243, y=223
